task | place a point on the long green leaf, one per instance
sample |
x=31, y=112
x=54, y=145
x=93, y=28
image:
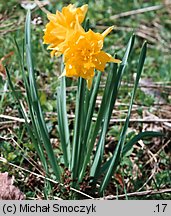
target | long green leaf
x=63, y=122
x=89, y=109
x=95, y=169
x=117, y=154
x=78, y=128
x=128, y=146
x=29, y=129
x=32, y=131
x=36, y=108
x=100, y=118
x=100, y=146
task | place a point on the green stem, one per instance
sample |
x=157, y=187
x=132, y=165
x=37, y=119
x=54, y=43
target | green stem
x=78, y=129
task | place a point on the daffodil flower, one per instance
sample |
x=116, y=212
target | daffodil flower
x=82, y=50
x=83, y=54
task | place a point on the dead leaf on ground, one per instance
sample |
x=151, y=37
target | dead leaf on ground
x=7, y=190
x=2, y=68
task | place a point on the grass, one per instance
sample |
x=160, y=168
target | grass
x=149, y=162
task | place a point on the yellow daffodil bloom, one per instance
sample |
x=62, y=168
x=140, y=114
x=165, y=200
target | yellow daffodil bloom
x=62, y=25
x=83, y=54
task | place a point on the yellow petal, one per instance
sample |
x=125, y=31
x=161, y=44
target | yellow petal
x=51, y=17
x=52, y=53
x=84, y=9
x=100, y=60
x=113, y=59
x=107, y=31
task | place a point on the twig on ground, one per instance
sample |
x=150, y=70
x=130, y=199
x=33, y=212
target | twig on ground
x=130, y=85
x=157, y=153
x=15, y=119
x=144, y=120
x=135, y=194
x=41, y=6
x=155, y=168
x=138, y=11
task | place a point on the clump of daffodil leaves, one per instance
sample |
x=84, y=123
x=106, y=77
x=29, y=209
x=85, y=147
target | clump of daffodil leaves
x=84, y=58
x=83, y=55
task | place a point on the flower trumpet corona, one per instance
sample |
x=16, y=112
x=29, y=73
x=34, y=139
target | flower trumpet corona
x=83, y=54
x=62, y=25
